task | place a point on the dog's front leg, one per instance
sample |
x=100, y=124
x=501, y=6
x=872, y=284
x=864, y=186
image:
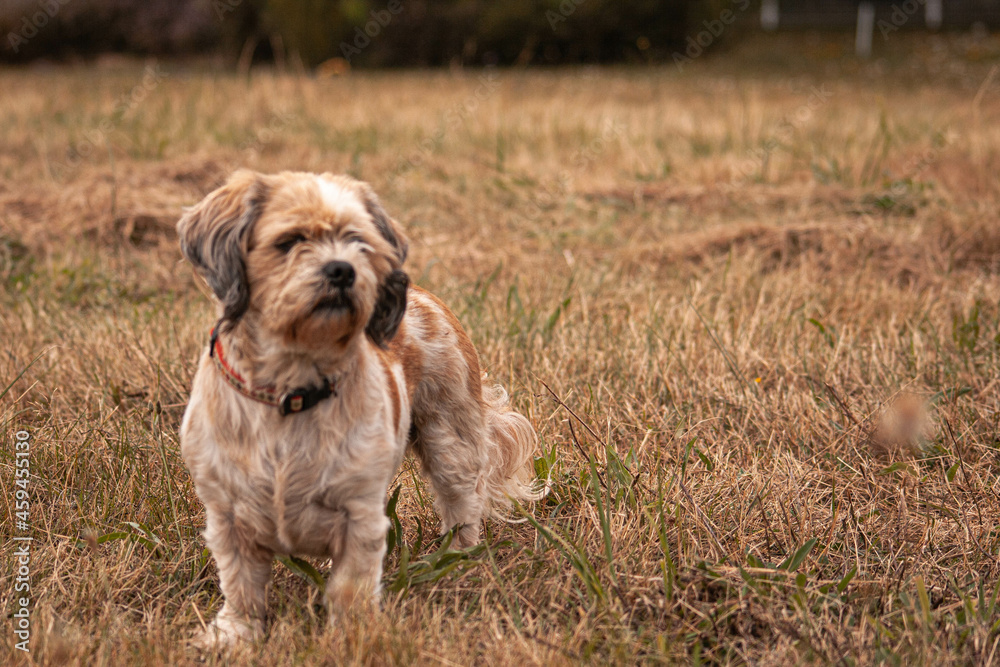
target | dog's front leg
x=244, y=572
x=358, y=550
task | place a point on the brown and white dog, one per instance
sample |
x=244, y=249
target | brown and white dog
x=322, y=369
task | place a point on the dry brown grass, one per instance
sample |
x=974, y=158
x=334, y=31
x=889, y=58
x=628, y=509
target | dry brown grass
x=733, y=342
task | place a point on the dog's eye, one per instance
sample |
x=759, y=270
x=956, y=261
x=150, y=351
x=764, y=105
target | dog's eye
x=288, y=242
x=353, y=237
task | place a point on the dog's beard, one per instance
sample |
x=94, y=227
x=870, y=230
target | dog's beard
x=329, y=320
x=336, y=304
x=333, y=318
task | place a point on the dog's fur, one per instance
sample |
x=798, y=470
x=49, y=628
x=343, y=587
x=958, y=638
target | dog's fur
x=405, y=373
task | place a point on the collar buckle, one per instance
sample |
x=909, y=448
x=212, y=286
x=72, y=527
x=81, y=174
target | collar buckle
x=304, y=398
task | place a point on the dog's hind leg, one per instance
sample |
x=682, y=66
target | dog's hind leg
x=454, y=457
x=478, y=459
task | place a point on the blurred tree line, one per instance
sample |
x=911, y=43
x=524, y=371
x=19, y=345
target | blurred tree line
x=363, y=32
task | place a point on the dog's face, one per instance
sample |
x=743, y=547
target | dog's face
x=314, y=259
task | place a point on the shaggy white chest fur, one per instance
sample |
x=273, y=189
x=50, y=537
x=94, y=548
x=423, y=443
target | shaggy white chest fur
x=291, y=481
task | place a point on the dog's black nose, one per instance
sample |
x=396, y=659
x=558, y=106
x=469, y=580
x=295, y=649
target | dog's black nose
x=340, y=274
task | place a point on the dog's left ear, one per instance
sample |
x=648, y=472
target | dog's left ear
x=389, y=308
x=391, y=304
x=215, y=234
x=387, y=227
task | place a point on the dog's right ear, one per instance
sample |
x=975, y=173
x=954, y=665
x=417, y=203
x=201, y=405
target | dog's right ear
x=389, y=308
x=214, y=236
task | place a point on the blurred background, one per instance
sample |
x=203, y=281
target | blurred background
x=754, y=243
x=433, y=33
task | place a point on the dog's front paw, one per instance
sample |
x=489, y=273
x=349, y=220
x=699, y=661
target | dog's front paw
x=228, y=630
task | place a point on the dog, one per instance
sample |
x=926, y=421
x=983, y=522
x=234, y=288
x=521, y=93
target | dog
x=324, y=368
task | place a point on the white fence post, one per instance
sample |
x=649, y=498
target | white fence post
x=866, y=26
x=933, y=14
x=769, y=15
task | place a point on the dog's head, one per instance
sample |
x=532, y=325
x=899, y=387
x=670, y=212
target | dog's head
x=313, y=258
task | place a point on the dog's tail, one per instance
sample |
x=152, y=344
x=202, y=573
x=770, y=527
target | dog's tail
x=511, y=443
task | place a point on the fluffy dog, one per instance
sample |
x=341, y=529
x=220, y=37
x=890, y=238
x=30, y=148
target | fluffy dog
x=323, y=368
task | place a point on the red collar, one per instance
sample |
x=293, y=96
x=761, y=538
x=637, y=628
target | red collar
x=290, y=402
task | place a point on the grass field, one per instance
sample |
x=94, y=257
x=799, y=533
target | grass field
x=752, y=315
